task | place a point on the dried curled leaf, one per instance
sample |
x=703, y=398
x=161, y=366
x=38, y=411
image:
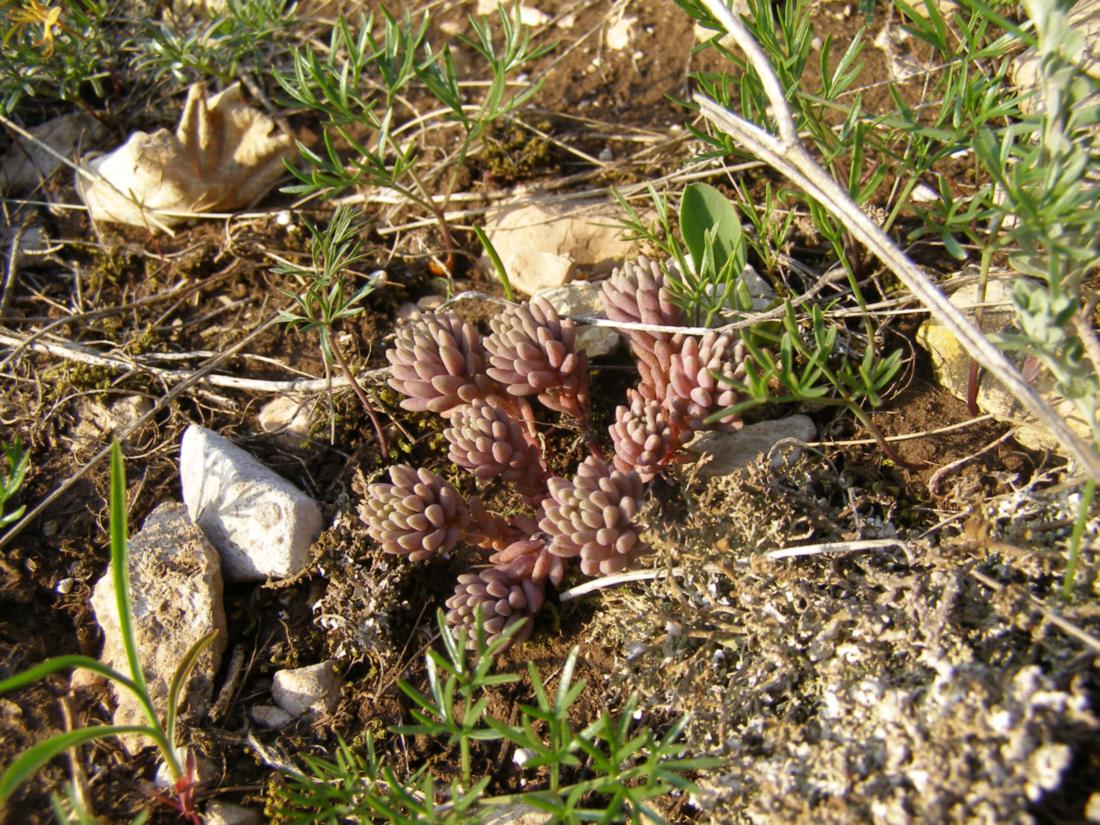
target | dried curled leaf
x=223, y=156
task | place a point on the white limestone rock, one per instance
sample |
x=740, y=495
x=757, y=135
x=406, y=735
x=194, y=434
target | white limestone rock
x=518, y=813
x=288, y=418
x=727, y=452
x=620, y=34
x=583, y=298
x=312, y=689
x=528, y=15
x=226, y=813
x=96, y=424
x=261, y=524
x=544, y=245
x=176, y=598
x=270, y=717
x=951, y=364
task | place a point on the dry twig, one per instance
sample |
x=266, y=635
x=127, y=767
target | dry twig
x=786, y=153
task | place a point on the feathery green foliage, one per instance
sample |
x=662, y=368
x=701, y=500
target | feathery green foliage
x=607, y=771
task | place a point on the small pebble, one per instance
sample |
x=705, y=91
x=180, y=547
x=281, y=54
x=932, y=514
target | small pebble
x=522, y=756
x=922, y=193
x=270, y=717
x=65, y=586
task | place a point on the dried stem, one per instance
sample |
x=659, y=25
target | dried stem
x=790, y=157
x=362, y=395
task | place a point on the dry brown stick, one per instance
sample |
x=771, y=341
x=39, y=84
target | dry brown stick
x=947, y=469
x=859, y=442
x=179, y=291
x=361, y=394
x=788, y=155
x=12, y=270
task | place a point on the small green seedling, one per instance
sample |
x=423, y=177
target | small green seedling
x=607, y=771
x=339, y=85
x=180, y=762
x=18, y=461
x=324, y=299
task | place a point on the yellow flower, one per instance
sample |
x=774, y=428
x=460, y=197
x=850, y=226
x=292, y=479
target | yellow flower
x=34, y=14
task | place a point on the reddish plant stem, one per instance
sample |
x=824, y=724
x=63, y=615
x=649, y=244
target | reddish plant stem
x=355, y=385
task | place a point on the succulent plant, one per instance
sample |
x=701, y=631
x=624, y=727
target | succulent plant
x=490, y=531
x=532, y=352
x=593, y=517
x=486, y=440
x=419, y=515
x=438, y=362
x=648, y=434
x=504, y=597
x=636, y=293
x=530, y=557
x=699, y=374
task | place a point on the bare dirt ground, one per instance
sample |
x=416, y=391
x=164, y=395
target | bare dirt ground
x=921, y=681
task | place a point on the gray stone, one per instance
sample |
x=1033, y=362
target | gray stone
x=583, y=298
x=176, y=598
x=206, y=774
x=762, y=293
x=312, y=689
x=288, y=418
x=270, y=717
x=97, y=424
x=544, y=245
x=727, y=452
x=528, y=15
x=620, y=33
x=27, y=163
x=226, y=813
x=1092, y=808
x=951, y=364
x=261, y=524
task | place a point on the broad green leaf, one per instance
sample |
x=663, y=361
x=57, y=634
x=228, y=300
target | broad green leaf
x=703, y=208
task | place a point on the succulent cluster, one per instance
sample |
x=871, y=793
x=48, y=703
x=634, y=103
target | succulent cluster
x=685, y=379
x=440, y=363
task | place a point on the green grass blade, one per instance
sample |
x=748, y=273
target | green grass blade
x=35, y=757
x=498, y=264
x=179, y=680
x=67, y=662
x=120, y=566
